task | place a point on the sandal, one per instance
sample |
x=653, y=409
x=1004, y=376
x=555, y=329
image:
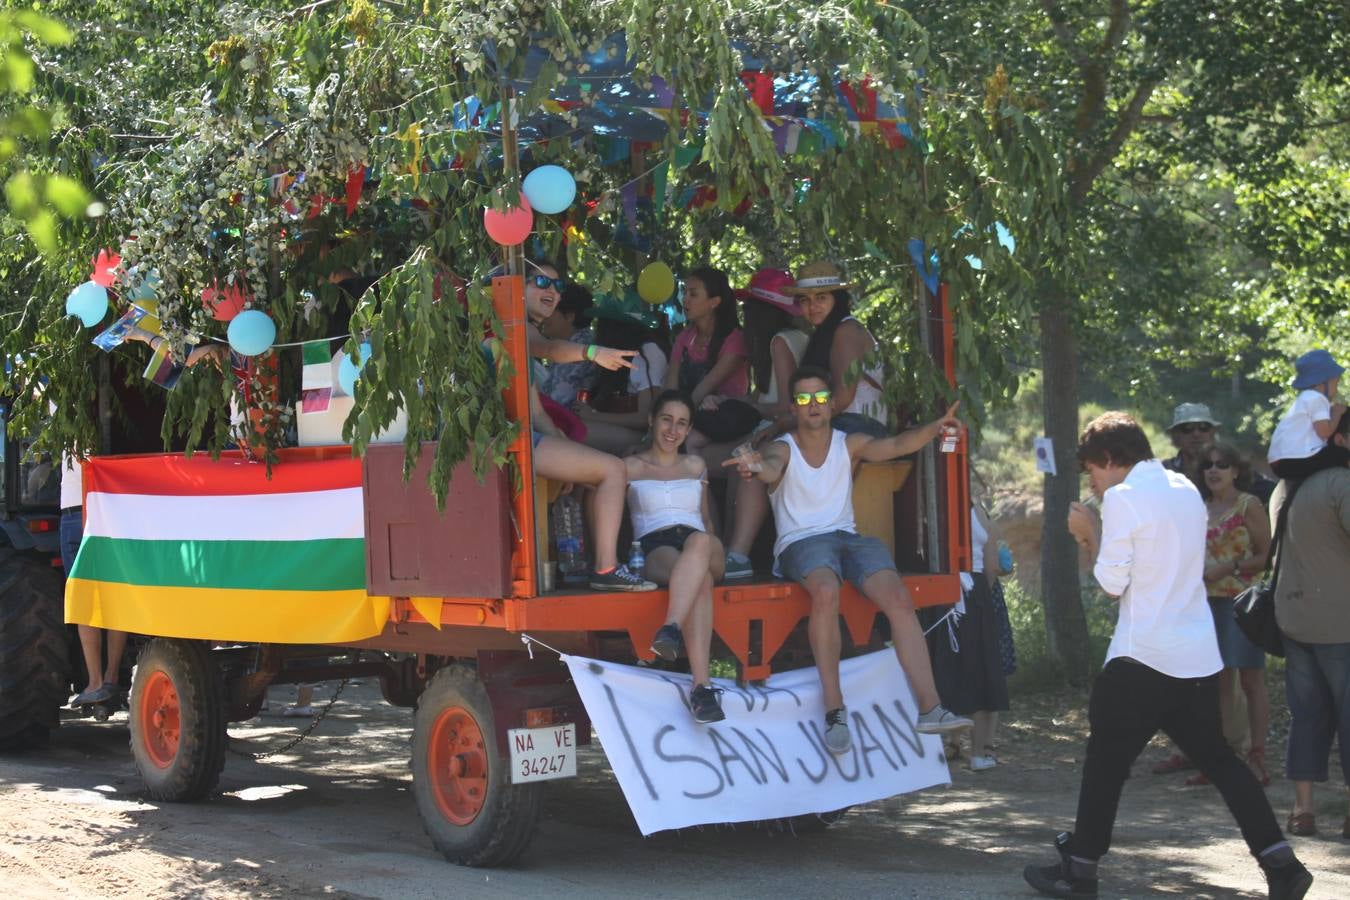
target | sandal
x=1174, y=763
x=1196, y=779
x=1301, y=824
x=1256, y=761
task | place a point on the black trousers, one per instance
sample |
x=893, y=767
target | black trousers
x=1130, y=704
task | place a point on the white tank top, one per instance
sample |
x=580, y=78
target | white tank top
x=809, y=501
x=796, y=340
x=656, y=504
x=867, y=398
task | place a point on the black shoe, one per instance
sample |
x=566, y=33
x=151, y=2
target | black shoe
x=620, y=579
x=1287, y=882
x=668, y=642
x=1067, y=878
x=706, y=704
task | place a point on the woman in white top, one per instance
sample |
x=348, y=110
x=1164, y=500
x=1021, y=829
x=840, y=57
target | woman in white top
x=668, y=500
x=840, y=344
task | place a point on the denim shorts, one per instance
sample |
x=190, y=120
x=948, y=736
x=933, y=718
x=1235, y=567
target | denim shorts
x=674, y=536
x=72, y=529
x=851, y=557
x=1317, y=686
x=1236, y=650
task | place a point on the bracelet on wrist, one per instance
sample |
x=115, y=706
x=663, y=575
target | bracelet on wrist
x=590, y=352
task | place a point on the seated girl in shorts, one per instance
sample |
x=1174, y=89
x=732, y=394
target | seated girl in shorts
x=668, y=500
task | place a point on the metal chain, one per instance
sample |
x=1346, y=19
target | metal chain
x=302, y=735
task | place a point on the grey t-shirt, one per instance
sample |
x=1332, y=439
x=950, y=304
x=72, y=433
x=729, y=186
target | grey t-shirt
x=1312, y=599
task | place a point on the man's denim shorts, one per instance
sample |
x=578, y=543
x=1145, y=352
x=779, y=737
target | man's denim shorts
x=851, y=557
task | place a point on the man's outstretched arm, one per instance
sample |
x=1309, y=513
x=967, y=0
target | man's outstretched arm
x=906, y=442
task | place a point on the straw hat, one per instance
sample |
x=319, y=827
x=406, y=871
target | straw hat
x=773, y=287
x=818, y=276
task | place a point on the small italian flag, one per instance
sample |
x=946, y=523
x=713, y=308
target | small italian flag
x=316, y=378
x=216, y=550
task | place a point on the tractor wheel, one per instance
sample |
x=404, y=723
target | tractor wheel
x=34, y=652
x=470, y=809
x=177, y=720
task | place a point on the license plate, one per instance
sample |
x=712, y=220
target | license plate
x=542, y=754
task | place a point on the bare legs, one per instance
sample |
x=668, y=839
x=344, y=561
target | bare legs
x=752, y=508
x=889, y=593
x=563, y=460
x=982, y=735
x=91, y=642
x=690, y=574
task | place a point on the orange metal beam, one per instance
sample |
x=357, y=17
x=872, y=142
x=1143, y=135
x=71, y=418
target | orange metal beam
x=958, y=462
x=508, y=298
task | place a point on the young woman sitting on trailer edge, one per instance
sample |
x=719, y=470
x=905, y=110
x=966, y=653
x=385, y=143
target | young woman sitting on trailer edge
x=668, y=500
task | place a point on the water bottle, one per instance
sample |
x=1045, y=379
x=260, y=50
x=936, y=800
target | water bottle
x=566, y=518
x=578, y=518
x=636, y=560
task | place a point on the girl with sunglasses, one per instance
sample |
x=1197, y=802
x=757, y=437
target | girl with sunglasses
x=1236, y=543
x=543, y=291
x=668, y=500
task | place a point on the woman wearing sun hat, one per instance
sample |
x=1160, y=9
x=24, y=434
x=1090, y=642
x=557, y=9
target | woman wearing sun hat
x=838, y=343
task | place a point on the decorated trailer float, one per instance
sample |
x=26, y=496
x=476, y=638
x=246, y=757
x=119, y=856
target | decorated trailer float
x=231, y=571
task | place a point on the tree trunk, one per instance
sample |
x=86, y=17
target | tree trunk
x=1065, y=623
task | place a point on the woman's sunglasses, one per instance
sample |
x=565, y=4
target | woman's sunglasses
x=543, y=282
x=804, y=399
x=1214, y=464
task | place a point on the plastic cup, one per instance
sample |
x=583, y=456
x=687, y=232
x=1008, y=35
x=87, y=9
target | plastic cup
x=748, y=456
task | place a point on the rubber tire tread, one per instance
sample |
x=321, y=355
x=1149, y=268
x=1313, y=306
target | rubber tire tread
x=506, y=824
x=196, y=769
x=34, y=650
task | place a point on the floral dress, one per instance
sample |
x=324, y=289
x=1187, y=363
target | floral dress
x=1228, y=540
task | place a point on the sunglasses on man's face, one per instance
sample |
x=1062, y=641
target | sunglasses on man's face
x=1195, y=428
x=543, y=282
x=1215, y=464
x=804, y=399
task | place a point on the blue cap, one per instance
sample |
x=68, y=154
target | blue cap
x=1314, y=368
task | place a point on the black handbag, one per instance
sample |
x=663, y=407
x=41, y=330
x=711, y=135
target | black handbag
x=1254, y=608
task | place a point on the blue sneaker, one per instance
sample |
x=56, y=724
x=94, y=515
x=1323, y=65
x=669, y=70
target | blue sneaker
x=737, y=568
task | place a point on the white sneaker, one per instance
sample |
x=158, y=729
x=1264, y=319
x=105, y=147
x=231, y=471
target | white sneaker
x=982, y=763
x=939, y=720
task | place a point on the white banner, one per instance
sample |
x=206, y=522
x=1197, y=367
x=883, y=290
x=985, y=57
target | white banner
x=767, y=760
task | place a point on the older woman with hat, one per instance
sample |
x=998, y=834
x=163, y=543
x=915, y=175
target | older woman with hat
x=839, y=342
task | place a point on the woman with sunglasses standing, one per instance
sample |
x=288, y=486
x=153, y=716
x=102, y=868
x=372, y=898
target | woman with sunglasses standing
x=1236, y=544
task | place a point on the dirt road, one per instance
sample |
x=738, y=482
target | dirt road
x=334, y=818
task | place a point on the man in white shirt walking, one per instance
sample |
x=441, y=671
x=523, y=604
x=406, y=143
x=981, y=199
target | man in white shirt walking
x=810, y=476
x=1162, y=667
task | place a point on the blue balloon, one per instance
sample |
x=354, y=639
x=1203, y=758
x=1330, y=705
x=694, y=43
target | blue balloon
x=251, y=332
x=550, y=189
x=147, y=289
x=349, y=371
x=89, y=301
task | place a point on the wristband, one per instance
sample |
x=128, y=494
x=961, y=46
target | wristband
x=590, y=352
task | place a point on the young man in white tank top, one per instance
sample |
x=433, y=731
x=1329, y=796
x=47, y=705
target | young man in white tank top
x=810, y=477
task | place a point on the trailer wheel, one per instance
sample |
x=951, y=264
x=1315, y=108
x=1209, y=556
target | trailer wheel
x=177, y=720
x=470, y=809
x=34, y=658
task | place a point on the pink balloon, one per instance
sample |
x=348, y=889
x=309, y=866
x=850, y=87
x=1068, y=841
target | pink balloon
x=104, y=265
x=224, y=302
x=509, y=227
